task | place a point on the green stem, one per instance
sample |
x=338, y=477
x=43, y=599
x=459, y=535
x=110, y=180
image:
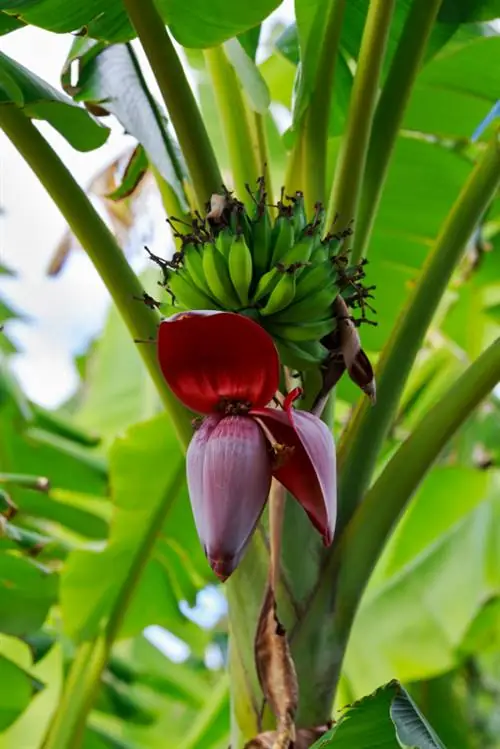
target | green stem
x=171, y=203
x=83, y=682
x=234, y=122
x=389, y=114
x=314, y=128
x=370, y=425
x=294, y=171
x=101, y=247
x=350, y=167
x=349, y=567
x=264, y=165
x=178, y=97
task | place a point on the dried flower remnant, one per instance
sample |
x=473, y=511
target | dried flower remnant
x=226, y=367
x=344, y=345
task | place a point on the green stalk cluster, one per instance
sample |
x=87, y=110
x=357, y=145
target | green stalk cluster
x=285, y=274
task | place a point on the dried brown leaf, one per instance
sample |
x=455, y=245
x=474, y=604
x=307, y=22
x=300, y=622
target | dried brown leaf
x=305, y=738
x=276, y=670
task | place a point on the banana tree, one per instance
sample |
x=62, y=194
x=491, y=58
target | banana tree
x=280, y=241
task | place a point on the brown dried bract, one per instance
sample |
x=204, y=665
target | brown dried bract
x=305, y=738
x=276, y=671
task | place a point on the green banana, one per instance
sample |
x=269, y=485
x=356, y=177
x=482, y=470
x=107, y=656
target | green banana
x=314, y=331
x=300, y=252
x=319, y=254
x=282, y=239
x=262, y=242
x=186, y=293
x=266, y=284
x=281, y=295
x=313, y=279
x=306, y=355
x=308, y=308
x=240, y=267
x=218, y=279
x=299, y=217
x=224, y=241
x=240, y=222
x=193, y=264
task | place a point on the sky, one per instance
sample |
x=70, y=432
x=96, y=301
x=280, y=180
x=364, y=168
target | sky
x=66, y=312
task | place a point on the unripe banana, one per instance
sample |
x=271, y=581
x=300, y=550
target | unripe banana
x=240, y=223
x=187, y=294
x=299, y=217
x=306, y=355
x=313, y=307
x=281, y=296
x=300, y=252
x=240, y=267
x=282, y=239
x=224, y=241
x=305, y=332
x=262, y=243
x=319, y=254
x=193, y=265
x=218, y=279
x=313, y=279
x=266, y=284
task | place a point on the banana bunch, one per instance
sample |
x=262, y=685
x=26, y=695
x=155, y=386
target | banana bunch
x=283, y=273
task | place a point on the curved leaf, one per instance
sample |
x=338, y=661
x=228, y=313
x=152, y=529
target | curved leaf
x=386, y=719
x=193, y=24
x=110, y=81
x=22, y=88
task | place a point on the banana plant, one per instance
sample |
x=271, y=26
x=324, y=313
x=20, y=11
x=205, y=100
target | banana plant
x=265, y=311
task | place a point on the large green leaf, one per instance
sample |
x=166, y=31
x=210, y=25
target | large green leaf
x=147, y=475
x=22, y=88
x=110, y=77
x=194, y=24
x=455, y=92
x=27, y=592
x=423, y=611
x=423, y=181
x=16, y=690
x=387, y=719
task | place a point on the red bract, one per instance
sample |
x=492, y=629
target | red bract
x=226, y=366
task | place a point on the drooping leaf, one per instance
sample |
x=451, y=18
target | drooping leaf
x=110, y=79
x=386, y=719
x=27, y=592
x=38, y=100
x=197, y=24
